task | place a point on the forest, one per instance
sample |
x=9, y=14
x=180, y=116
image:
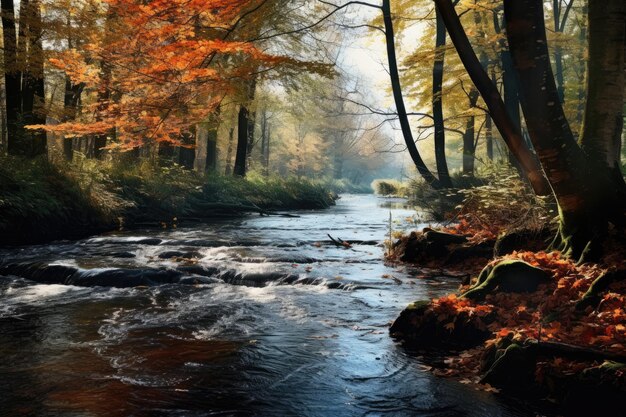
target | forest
x=313, y=207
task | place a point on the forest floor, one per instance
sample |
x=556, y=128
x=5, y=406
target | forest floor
x=42, y=201
x=525, y=321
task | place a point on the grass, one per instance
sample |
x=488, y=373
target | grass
x=41, y=201
x=389, y=187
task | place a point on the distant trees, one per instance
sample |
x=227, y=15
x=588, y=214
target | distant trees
x=24, y=76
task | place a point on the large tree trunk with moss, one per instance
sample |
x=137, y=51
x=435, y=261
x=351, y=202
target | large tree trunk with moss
x=399, y=99
x=440, y=133
x=601, y=134
x=509, y=131
x=586, y=196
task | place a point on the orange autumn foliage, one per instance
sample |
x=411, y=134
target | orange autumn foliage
x=160, y=67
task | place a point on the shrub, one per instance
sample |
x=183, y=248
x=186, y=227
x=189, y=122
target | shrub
x=389, y=187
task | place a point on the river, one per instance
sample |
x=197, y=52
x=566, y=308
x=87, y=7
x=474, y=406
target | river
x=255, y=316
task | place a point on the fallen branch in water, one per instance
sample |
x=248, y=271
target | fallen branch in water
x=240, y=208
x=339, y=242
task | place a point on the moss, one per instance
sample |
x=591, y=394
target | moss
x=507, y=276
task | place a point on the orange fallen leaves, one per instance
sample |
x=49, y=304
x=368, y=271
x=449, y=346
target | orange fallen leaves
x=547, y=314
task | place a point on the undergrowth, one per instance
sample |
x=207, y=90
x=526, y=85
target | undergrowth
x=40, y=200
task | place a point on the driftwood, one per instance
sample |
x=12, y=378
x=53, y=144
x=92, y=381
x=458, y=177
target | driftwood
x=239, y=208
x=339, y=242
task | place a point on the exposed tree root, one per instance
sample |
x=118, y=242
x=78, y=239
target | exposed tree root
x=507, y=276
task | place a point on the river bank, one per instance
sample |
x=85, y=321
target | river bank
x=530, y=323
x=40, y=202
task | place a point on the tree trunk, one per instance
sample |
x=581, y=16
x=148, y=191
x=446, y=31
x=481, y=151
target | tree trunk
x=582, y=94
x=187, y=153
x=266, y=152
x=242, y=142
x=469, y=145
x=505, y=124
x=511, y=90
x=265, y=138
x=489, y=126
x=251, y=140
x=440, y=134
x=399, y=99
x=12, y=79
x=603, y=122
x=489, y=137
x=583, y=194
x=560, y=18
x=71, y=98
x=229, y=152
x=211, y=150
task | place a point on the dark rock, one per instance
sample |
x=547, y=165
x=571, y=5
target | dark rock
x=446, y=249
x=39, y=272
x=148, y=241
x=419, y=326
x=178, y=254
x=444, y=238
x=513, y=369
x=124, y=278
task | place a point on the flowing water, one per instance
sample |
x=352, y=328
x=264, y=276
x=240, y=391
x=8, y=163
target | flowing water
x=255, y=316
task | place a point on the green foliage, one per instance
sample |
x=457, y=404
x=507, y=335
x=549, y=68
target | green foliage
x=505, y=202
x=41, y=201
x=268, y=192
x=494, y=196
x=345, y=186
x=39, y=198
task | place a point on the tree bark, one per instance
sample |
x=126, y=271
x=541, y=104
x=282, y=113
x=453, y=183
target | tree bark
x=509, y=131
x=584, y=195
x=211, y=150
x=187, y=153
x=603, y=121
x=399, y=99
x=30, y=51
x=71, y=98
x=582, y=93
x=469, y=145
x=12, y=78
x=240, y=167
x=560, y=18
x=265, y=141
x=229, y=152
x=440, y=133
